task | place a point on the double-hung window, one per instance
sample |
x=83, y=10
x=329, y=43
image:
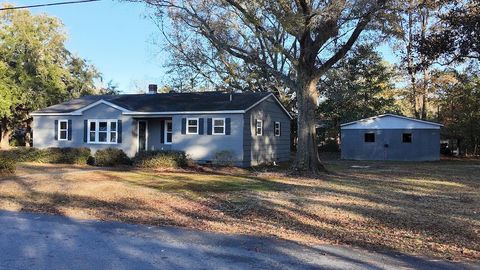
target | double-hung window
x=102, y=131
x=218, y=126
x=259, y=128
x=63, y=130
x=168, y=131
x=277, y=129
x=192, y=125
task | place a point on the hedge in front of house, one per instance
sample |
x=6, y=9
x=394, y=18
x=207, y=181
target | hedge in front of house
x=7, y=165
x=49, y=155
x=63, y=155
x=111, y=157
x=160, y=159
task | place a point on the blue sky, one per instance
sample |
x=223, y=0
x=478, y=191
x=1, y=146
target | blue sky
x=114, y=36
x=117, y=37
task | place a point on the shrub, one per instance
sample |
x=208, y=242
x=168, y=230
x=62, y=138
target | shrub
x=111, y=157
x=224, y=158
x=161, y=159
x=63, y=155
x=7, y=165
x=50, y=155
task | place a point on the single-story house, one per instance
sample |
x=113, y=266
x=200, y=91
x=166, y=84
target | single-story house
x=390, y=137
x=253, y=128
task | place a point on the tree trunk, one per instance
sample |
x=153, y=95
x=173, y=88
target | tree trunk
x=307, y=159
x=426, y=75
x=410, y=65
x=5, y=138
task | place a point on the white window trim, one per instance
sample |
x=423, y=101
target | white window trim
x=187, y=125
x=97, y=126
x=275, y=129
x=60, y=129
x=261, y=127
x=213, y=126
x=165, y=132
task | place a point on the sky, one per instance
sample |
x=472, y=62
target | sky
x=116, y=37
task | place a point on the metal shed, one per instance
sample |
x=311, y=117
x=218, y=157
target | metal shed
x=390, y=137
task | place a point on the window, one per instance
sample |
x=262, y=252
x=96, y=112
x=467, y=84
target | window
x=407, y=137
x=218, y=126
x=192, y=125
x=259, y=128
x=102, y=131
x=63, y=130
x=168, y=131
x=369, y=137
x=277, y=129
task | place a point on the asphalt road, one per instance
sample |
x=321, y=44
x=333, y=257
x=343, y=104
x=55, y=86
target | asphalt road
x=34, y=241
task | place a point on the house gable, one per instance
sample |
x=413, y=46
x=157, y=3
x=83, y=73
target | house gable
x=81, y=110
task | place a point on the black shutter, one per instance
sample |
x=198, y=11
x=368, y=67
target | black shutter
x=209, y=126
x=85, y=130
x=56, y=130
x=200, y=126
x=119, y=131
x=162, y=131
x=69, y=130
x=255, y=126
x=184, y=125
x=227, y=126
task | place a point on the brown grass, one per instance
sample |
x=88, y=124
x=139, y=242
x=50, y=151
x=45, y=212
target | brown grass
x=430, y=209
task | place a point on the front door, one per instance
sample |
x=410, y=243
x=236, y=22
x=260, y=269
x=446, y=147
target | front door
x=142, y=135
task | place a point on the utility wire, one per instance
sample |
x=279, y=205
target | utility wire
x=50, y=4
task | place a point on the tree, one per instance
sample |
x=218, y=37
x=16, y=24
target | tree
x=459, y=107
x=295, y=42
x=456, y=37
x=418, y=19
x=36, y=70
x=361, y=86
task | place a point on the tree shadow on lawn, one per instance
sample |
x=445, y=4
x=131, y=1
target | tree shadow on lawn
x=241, y=201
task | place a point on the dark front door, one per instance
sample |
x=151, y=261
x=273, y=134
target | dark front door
x=142, y=136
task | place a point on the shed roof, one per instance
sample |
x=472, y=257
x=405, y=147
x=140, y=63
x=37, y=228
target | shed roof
x=390, y=121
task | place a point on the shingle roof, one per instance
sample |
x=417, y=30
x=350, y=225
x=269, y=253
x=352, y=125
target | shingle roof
x=168, y=102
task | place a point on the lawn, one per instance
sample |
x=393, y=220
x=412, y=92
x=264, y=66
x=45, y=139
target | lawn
x=430, y=209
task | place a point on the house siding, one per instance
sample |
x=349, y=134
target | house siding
x=44, y=130
x=268, y=147
x=425, y=145
x=202, y=148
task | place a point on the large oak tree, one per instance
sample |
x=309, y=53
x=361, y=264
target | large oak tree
x=294, y=41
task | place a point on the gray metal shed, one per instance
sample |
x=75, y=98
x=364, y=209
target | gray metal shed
x=390, y=137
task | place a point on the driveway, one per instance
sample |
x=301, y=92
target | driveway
x=35, y=241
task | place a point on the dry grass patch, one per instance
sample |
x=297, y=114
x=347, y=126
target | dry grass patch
x=429, y=209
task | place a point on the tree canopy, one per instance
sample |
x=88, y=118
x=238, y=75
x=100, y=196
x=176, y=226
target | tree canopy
x=36, y=70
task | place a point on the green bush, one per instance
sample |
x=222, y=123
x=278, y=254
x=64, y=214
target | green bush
x=160, y=159
x=64, y=155
x=111, y=157
x=49, y=155
x=7, y=165
x=224, y=158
